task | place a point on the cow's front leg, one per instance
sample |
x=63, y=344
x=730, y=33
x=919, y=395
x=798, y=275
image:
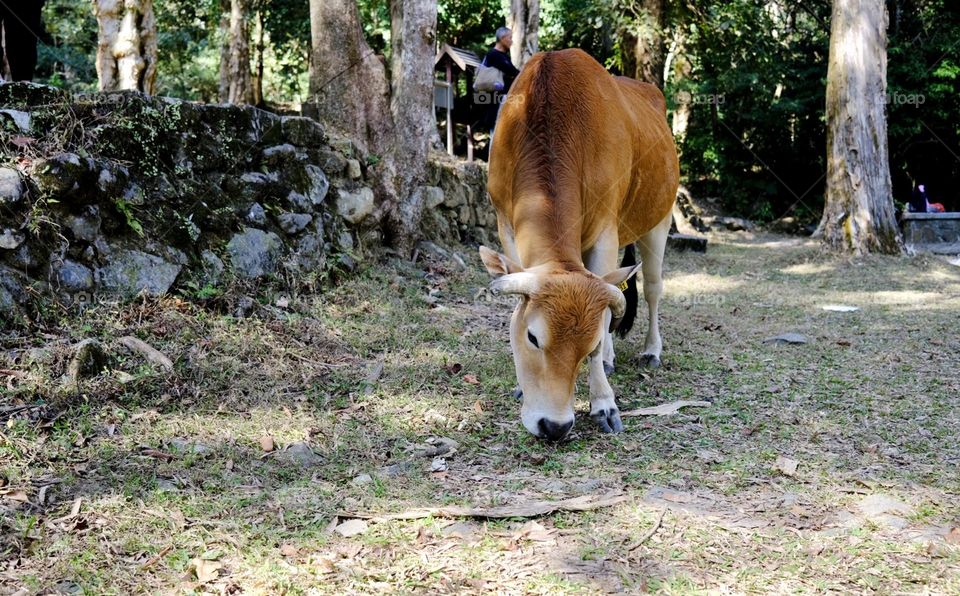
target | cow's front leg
x=603, y=405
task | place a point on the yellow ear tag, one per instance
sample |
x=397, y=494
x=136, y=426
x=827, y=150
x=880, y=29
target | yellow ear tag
x=623, y=286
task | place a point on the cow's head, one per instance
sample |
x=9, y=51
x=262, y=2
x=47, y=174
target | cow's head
x=561, y=318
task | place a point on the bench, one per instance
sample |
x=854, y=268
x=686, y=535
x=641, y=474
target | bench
x=937, y=233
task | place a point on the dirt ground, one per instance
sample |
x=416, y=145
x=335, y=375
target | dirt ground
x=826, y=466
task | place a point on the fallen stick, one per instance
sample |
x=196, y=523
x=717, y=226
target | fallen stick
x=664, y=409
x=153, y=355
x=156, y=558
x=533, y=509
x=650, y=532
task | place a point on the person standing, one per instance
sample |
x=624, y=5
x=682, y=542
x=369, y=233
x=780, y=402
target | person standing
x=21, y=26
x=499, y=57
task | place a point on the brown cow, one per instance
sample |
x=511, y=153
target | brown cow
x=582, y=163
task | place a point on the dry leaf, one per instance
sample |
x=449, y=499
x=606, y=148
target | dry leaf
x=352, y=528
x=787, y=466
x=289, y=550
x=472, y=379
x=453, y=369
x=16, y=495
x=953, y=536
x=266, y=443
x=478, y=407
x=206, y=571
x=532, y=530
x=664, y=409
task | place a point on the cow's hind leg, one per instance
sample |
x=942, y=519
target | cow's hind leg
x=652, y=246
x=602, y=259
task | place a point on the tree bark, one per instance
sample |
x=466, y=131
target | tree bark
x=391, y=119
x=525, y=25
x=235, y=81
x=643, y=49
x=859, y=214
x=127, y=46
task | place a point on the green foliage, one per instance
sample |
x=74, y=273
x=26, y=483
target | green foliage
x=756, y=134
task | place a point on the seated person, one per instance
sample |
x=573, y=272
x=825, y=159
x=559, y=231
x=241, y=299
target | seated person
x=920, y=202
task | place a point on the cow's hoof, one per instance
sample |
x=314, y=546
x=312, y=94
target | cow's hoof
x=608, y=420
x=517, y=393
x=608, y=368
x=648, y=360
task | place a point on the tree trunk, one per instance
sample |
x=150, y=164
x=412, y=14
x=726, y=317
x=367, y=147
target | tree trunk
x=261, y=45
x=392, y=120
x=677, y=69
x=127, y=48
x=525, y=25
x=644, y=49
x=858, y=216
x=223, y=89
x=413, y=39
x=235, y=81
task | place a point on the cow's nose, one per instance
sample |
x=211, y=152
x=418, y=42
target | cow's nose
x=552, y=431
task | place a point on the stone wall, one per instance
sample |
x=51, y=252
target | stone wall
x=932, y=232
x=105, y=196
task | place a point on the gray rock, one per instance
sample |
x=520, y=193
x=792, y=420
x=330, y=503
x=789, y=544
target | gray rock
x=301, y=454
x=362, y=479
x=211, y=268
x=74, y=277
x=254, y=253
x=291, y=223
x=27, y=257
x=130, y=272
x=432, y=196
x=10, y=239
x=278, y=155
x=345, y=241
x=303, y=132
x=319, y=185
x=87, y=226
x=11, y=186
x=355, y=206
x=299, y=201
x=256, y=214
x=60, y=173
x=310, y=254
x=331, y=162
x=20, y=119
x=353, y=169
x=11, y=292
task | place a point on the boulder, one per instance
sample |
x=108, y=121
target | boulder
x=256, y=215
x=303, y=132
x=86, y=226
x=353, y=169
x=254, y=253
x=433, y=196
x=291, y=223
x=276, y=157
x=18, y=121
x=319, y=185
x=10, y=239
x=355, y=206
x=74, y=277
x=211, y=268
x=130, y=272
x=60, y=173
x=11, y=187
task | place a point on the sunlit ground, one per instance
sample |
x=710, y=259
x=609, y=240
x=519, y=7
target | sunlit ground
x=832, y=465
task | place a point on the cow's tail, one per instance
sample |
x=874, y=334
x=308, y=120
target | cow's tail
x=630, y=293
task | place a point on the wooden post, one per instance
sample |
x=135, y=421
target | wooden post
x=449, y=107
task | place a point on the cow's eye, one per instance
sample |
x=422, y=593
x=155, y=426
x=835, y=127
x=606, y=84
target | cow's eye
x=533, y=339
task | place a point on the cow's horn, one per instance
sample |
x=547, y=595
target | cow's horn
x=515, y=283
x=618, y=303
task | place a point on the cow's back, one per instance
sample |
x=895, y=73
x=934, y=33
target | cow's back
x=591, y=144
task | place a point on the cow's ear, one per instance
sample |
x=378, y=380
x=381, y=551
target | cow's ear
x=618, y=276
x=498, y=264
